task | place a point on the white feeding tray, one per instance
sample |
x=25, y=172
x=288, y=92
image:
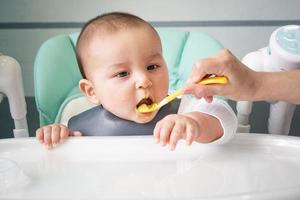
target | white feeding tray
x=252, y=166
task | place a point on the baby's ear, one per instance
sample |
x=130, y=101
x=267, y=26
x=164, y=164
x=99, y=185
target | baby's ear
x=87, y=88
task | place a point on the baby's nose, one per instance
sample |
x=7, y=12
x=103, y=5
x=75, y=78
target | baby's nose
x=143, y=81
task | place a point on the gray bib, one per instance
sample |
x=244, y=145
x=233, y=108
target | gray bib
x=99, y=122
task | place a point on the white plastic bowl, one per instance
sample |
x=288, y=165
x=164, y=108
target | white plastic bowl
x=252, y=166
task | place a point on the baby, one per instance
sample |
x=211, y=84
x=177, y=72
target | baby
x=121, y=62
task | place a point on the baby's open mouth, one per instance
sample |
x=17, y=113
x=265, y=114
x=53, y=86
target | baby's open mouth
x=147, y=101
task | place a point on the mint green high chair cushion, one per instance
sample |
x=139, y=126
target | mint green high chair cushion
x=56, y=73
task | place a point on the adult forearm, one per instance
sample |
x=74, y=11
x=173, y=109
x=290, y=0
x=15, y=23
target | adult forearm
x=283, y=86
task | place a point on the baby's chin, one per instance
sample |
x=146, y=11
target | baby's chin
x=145, y=118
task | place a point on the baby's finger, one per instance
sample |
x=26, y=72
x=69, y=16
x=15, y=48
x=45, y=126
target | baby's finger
x=165, y=131
x=40, y=135
x=55, y=135
x=177, y=134
x=190, y=134
x=156, y=132
x=64, y=134
x=77, y=133
x=47, y=137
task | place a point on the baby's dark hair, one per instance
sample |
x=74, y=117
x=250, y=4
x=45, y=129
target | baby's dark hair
x=107, y=23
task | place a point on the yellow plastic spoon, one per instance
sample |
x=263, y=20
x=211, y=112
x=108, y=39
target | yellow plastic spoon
x=144, y=108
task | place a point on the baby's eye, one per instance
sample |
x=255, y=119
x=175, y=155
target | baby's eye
x=152, y=67
x=122, y=74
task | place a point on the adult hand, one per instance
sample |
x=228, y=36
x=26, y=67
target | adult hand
x=243, y=81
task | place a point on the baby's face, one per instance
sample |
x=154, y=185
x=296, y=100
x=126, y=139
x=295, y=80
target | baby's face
x=127, y=69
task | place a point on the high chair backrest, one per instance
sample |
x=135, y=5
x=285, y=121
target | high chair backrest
x=56, y=73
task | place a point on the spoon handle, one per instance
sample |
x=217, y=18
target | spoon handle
x=169, y=98
x=205, y=81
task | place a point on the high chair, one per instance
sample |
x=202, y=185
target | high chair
x=11, y=85
x=282, y=54
x=56, y=73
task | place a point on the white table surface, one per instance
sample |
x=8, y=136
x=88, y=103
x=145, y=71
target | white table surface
x=252, y=166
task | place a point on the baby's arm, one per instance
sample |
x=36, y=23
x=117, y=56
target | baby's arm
x=210, y=128
x=54, y=134
x=197, y=121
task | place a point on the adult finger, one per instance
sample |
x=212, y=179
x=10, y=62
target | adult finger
x=203, y=90
x=205, y=67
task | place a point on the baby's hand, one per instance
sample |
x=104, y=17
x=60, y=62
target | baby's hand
x=175, y=127
x=54, y=134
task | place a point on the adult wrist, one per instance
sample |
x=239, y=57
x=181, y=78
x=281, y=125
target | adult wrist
x=258, y=86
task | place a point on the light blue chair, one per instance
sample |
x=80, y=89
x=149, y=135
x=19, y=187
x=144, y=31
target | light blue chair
x=56, y=73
